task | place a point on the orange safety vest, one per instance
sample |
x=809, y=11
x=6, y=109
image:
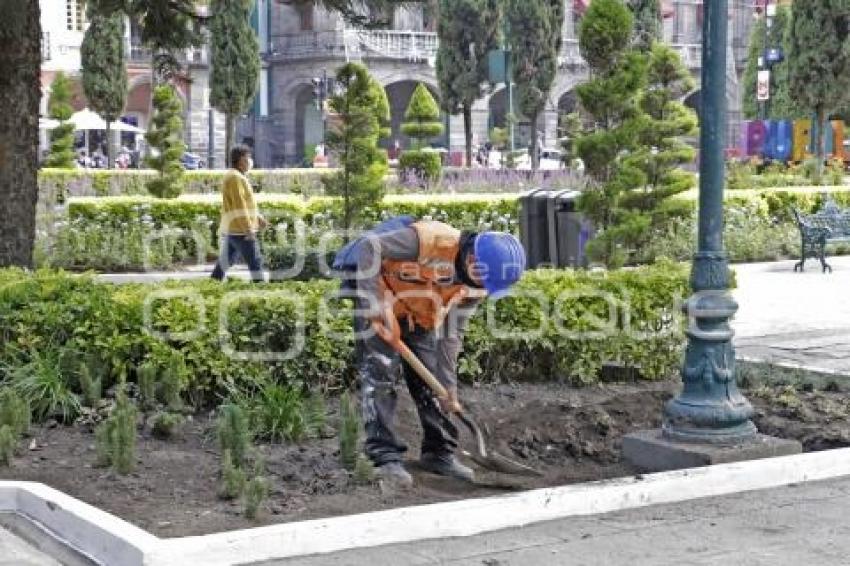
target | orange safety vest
x=423, y=291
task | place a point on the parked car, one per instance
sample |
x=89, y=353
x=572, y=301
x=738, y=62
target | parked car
x=192, y=161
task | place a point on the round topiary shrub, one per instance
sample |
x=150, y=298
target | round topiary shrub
x=419, y=167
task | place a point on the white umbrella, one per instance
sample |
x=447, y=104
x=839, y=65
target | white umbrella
x=85, y=119
x=120, y=126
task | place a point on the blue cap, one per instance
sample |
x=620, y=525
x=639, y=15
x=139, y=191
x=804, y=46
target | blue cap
x=501, y=261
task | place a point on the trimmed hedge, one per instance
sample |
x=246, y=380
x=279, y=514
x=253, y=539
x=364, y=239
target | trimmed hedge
x=109, y=233
x=71, y=183
x=466, y=211
x=74, y=317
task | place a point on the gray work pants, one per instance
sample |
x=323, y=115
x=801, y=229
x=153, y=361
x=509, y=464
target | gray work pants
x=380, y=369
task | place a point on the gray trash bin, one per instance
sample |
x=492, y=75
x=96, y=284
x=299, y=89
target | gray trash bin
x=533, y=228
x=568, y=233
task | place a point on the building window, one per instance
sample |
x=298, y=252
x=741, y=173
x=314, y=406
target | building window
x=75, y=12
x=305, y=11
x=429, y=17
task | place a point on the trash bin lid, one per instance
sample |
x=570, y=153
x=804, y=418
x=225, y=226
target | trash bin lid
x=567, y=195
x=529, y=192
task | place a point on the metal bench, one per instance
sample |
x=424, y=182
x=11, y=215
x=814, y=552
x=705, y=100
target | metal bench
x=829, y=225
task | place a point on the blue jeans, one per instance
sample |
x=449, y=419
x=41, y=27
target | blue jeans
x=235, y=246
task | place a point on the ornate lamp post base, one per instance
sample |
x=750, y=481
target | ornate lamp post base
x=710, y=408
x=709, y=422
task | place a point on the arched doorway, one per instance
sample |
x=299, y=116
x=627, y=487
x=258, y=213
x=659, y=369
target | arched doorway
x=398, y=94
x=309, y=126
x=136, y=111
x=498, y=108
x=568, y=103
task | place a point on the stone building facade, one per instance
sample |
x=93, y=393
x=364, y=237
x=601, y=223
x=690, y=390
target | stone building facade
x=302, y=43
x=299, y=44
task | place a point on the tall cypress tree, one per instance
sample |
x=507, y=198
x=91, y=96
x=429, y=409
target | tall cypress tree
x=468, y=31
x=535, y=40
x=647, y=22
x=819, y=60
x=62, y=136
x=235, y=60
x=104, y=70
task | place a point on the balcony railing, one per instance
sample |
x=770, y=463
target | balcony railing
x=352, y=43
x=142, y=55
x=691, y=54
x=391, y=44
x=308, y=45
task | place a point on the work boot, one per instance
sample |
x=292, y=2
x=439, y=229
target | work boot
x=395, y=474
x=446, y=465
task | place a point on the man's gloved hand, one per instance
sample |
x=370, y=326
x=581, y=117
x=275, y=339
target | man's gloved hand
x=386, y=325
x=450, y=404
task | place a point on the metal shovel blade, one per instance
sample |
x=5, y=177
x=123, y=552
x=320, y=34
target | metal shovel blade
x=489, y=459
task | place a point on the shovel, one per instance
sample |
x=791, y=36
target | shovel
x=482, y=455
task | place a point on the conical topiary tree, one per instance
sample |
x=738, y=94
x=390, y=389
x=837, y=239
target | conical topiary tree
x=62, y=136
x=104, y=70
x=422, y=123
x=610, y=99
x=358, y=109
x=166, y=136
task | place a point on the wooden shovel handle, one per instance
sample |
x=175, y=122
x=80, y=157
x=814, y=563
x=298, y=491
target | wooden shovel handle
x=423, y=372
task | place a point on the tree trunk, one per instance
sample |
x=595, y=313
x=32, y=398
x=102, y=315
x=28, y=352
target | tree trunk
x=533, y=152
x=20, y=91
x=820, y=150
x=229, y=133
x=108, y=144
x=467, y=132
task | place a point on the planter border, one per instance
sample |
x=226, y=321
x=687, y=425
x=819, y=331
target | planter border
x=113, y=541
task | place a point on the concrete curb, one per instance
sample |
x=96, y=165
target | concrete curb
x=115, y=542
x=94, y=533
x=823, y=372
x=474, y=516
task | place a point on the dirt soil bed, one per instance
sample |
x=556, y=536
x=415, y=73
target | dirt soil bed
x=572, y=435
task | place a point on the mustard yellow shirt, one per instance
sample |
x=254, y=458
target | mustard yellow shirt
x=238, y=209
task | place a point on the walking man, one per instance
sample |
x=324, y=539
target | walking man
x=240, y=219
x=424, y=279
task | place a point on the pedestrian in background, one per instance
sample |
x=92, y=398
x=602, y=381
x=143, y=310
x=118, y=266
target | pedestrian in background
x=241, y=222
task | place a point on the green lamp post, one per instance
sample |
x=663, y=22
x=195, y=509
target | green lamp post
x=710, y=408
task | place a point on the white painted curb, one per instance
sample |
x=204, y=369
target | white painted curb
x=473, y=516
x=95, y=533
x=115, y=542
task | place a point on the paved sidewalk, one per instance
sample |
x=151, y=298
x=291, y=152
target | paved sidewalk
x=794, y=318
x=14, y=551
x=795, y=525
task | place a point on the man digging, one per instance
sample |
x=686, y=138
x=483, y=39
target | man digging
x=423, y=280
